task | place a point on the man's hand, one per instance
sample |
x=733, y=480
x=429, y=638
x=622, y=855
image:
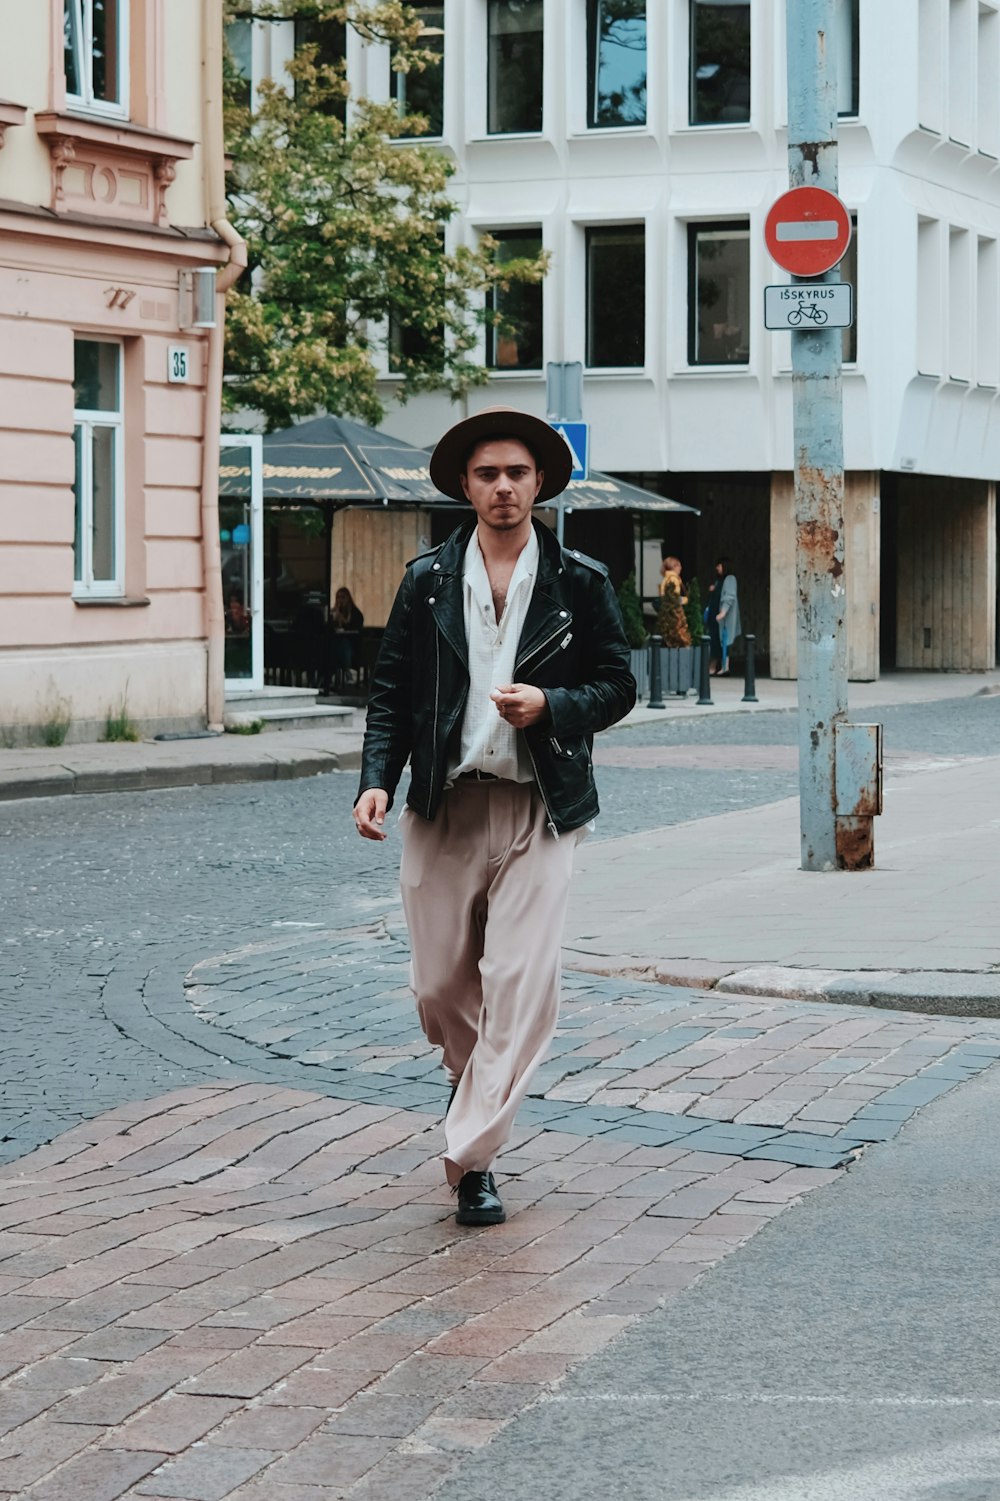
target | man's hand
x=520, y=704
x=369, y=813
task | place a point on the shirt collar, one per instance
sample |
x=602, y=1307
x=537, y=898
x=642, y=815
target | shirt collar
x=477, y=579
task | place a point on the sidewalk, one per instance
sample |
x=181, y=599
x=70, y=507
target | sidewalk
x=733, y=910
x=41, y=771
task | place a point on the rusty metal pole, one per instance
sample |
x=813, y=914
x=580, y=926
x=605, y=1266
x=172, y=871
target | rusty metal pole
x=819, y=449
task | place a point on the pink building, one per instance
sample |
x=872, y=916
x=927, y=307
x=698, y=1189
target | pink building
x=114, y=256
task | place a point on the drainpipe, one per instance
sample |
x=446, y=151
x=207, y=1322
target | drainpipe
x=213, y=168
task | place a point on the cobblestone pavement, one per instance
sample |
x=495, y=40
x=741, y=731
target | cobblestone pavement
x=235, y=1272
x=761, y=1079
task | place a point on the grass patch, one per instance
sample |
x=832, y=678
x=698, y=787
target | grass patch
x=253, y=728
x=118, y=726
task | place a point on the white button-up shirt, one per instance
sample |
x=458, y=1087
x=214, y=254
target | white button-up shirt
x=489, y=743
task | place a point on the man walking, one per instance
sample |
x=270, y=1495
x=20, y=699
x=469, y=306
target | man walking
x=503, y=654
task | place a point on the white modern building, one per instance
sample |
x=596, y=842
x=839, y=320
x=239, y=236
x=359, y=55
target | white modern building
x=641, y=142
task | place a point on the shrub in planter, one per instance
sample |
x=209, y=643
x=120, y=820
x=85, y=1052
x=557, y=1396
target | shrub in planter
x=628, y=600
x=694, y=611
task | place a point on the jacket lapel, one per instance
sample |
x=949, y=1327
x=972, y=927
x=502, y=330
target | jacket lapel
x=546, y=613
x=445, y=600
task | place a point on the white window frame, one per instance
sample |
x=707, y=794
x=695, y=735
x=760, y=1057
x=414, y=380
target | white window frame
x=85, y=421
x=85, y=102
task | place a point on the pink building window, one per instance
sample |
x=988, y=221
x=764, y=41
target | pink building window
x=98, y=486
x=95, y=53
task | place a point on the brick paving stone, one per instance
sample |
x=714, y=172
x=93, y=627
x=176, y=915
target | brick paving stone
x=29, y=1452
x=382, y=1414
x=452, y=1435
x=414, y=1476
x=270, y=1426
x=431, y=1375
x=206, y=1473
x=171, y=1423
x=322, y=1387
x=249, y=1372
x=60, y=1374
x=330, y=1458
x=21, y=1347
x=94, y=1477
x=112, y=1400
x=574, y=1335
x=114, y=1345
x=540, y=1369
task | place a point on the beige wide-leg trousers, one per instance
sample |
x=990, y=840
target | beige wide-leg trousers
x=485, y=887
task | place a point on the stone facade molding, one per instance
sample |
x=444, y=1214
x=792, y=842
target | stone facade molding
x=118, y=169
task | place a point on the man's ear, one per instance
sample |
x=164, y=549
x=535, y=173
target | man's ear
x=465, y=484
x=539, y=482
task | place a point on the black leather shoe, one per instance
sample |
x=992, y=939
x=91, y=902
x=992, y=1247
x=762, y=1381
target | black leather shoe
x=478, y=1201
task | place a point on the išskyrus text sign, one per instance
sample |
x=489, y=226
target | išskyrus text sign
x=809, y=304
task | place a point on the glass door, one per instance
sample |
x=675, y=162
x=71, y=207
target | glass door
x=241, y=529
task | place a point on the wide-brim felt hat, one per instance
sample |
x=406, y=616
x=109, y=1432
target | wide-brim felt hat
x=550, y=448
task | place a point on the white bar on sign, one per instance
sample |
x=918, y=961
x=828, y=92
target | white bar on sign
x=815, y=229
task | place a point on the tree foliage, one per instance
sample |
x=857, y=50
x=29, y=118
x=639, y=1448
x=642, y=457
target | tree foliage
x=344, y=226
x=631, y=608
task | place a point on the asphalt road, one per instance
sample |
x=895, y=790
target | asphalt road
x=848, y=1353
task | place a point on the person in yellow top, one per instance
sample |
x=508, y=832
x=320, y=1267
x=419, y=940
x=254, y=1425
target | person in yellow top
x=670, y=578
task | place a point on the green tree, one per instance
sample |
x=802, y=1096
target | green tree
x=344, y=229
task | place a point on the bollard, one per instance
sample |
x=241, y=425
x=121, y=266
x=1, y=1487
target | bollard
x=655, y=680
x=749, y=674
x=705, y=682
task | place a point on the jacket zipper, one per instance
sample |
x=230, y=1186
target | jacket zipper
x=541, y=645
x=538, y=783
x=434, y=732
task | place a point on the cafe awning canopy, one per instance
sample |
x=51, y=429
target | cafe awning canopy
x=602, y=492
x=333, y=459
x=338, y=461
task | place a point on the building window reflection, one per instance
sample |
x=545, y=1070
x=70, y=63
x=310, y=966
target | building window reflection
x=517, y=344
x=720, y=62
x=514, y=66
x=98, y=552
x=95, y=50
x=846, y=27
x=616, y=296
x=616, y=62
x=421, y=91
x=719, y=294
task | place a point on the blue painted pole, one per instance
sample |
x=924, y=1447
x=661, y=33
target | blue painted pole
x=819, y=449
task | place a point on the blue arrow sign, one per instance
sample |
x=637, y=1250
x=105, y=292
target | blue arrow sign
x=577, y=436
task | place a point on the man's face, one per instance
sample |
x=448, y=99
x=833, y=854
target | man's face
x=501, y=482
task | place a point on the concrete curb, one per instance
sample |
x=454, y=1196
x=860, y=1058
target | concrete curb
x=63, y=781
x=933, y=992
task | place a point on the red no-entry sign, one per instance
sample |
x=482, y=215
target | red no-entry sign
x=807, y=231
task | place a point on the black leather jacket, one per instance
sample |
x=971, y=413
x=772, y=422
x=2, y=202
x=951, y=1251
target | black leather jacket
x=572, y=646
